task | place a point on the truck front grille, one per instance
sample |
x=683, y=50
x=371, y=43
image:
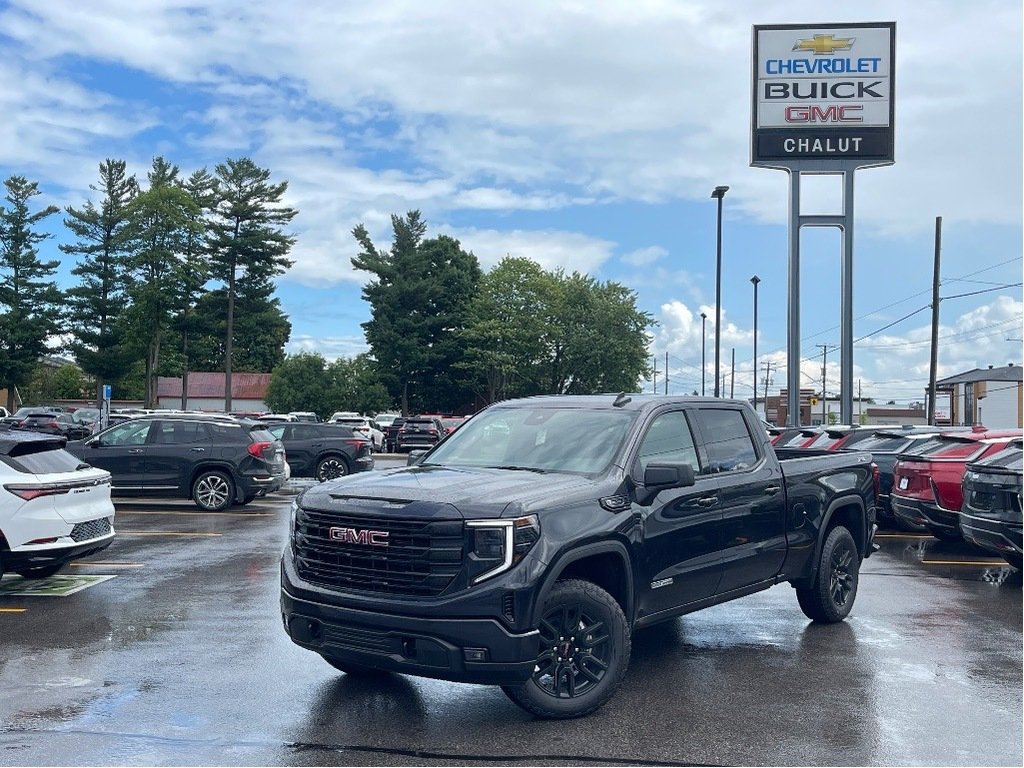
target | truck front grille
x=422, y=557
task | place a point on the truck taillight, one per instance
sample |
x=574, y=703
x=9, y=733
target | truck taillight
x=256, y=449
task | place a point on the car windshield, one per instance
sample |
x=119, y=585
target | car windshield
x=538, y=439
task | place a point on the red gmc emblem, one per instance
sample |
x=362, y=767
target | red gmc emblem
x=353, y=536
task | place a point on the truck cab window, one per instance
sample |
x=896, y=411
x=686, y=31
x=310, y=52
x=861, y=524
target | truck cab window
x=668, y=441
x=727, y=440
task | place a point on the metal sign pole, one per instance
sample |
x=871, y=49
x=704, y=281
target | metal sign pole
x=846, y=306
x=793, y=315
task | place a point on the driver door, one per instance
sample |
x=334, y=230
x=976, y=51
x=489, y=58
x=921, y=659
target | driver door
x=682, y=527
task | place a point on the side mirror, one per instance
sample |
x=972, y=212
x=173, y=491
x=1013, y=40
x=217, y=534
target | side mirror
x=415, y=457
x=660, y=477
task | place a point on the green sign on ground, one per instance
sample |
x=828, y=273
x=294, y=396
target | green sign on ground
x=55, y=586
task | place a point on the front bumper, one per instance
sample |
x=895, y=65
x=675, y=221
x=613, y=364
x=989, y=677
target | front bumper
x=35, y=558
x=469, y=650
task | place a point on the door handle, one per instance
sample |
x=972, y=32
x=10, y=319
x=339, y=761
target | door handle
x=707, y=501
x=771, y=490
x=136, y=450
x=197, y=449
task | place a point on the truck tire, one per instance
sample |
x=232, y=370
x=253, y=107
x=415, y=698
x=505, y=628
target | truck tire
x=213, y=491
x=40, y=571
x=585, y=646
x=830, y=595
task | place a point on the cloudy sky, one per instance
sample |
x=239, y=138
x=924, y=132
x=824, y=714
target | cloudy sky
x=582, y=135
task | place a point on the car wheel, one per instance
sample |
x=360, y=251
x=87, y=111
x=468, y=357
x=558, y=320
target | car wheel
x=584, y=652
x=213, y=491
x=40, y=571
x=829, y=598
x=356, y=670
x=330, y=467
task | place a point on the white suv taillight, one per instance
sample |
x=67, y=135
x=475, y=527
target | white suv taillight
x=29, y=491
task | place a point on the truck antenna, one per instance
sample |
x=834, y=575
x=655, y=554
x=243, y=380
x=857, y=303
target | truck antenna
x=621, y=400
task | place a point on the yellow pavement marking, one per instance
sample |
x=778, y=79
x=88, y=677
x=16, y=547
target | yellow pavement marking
x=198, y=514
x=13, y=610
x=164, y=533
x=964, y=562
x=99, y=564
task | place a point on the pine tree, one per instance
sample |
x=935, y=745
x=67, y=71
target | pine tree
x=97, y=302
x=30, y=303
x=247, y=238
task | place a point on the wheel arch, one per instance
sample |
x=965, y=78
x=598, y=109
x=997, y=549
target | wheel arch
x=605, y=563
x=850, y=512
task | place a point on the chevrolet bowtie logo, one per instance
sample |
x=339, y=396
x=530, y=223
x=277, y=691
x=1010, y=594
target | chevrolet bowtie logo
x=825, y=45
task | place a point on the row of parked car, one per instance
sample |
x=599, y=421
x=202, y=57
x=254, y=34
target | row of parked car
x=57, y=483
x=955, y=483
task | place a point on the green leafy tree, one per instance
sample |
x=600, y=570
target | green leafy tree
x=30, y=303
x=504, y=337
x=419, y=296
x=68, y=382
x=96, y=303
x=537, y=332
x=246, y=235
x=355, y=385
x=162, y=221
x=300, y=383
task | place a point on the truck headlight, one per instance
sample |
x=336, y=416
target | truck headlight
x=497, y=545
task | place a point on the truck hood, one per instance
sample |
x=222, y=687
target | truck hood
x=436, y=491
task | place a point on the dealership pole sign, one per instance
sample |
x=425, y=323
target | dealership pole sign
x=823, y=93
x=823, y=102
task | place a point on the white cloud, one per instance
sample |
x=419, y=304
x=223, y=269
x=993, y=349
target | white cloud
x=330, y=347
x=551, y=249
x=644, y=256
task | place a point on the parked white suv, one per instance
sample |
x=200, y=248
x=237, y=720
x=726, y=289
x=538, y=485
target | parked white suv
x=54, y=508
x=363, y=426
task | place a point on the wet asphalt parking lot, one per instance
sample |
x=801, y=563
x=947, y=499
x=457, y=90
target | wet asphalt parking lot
x=180, y=659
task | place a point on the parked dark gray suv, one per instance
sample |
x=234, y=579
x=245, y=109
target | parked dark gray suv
x=323, y=451
x=214, y=460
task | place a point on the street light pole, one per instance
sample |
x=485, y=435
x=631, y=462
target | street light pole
x=755, y=280
x=719, y=194
x=703, y=348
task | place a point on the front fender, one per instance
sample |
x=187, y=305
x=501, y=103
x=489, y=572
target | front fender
x=566, y=559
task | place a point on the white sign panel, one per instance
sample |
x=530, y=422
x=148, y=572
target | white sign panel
x=823, y=92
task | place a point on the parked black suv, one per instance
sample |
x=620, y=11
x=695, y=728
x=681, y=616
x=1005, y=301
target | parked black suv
x=323, y=451
x=990, y=517
x=53, y=423
x=419, y=432
x=214, y=460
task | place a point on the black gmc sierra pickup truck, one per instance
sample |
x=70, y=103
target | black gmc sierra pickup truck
x=525, y=549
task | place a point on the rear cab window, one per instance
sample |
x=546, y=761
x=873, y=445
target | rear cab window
x=728, y=444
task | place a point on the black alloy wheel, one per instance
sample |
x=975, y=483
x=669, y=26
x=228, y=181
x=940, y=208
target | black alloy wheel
x=331, y=467
x=830, y=595
x=584, y=652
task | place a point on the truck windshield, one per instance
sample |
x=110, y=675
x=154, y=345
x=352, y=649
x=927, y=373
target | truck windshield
x=549, y=439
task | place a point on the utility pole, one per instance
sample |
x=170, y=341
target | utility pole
x=824, y=399
x=860, y=404
x=666, y=371
x=932, y=368
x=732, y=376
x=767, y=381
x=655, y=374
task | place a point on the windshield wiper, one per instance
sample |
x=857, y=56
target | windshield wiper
x=521, y=469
